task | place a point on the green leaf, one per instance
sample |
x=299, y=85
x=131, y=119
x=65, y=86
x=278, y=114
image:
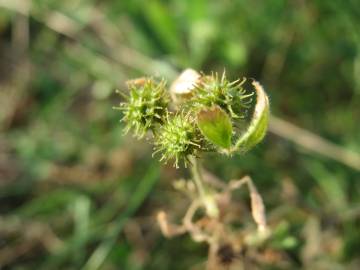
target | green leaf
x=216, y=126
x=259, y=122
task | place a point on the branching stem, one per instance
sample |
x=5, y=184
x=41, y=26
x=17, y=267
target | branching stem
x=205, y=193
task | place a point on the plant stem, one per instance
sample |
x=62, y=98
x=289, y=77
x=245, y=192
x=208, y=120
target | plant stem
x=196, y=172
x=206, y=197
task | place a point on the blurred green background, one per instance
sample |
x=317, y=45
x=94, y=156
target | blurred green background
x=76, y=194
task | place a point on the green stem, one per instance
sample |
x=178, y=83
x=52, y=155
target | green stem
x=196, y=172
x=206, y=195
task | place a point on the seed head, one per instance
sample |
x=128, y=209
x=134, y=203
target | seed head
x=178, y=138
x=230, y=96
x=145, y=107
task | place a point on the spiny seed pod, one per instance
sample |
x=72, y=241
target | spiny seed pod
x=210, y=114
x=230, y=96
x=178, y=138
x=146, y=105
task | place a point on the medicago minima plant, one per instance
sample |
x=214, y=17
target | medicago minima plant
x=197, y=114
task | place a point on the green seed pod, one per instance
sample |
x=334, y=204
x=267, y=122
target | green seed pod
x=145, y=107
x=178, y=138
x=230, y=96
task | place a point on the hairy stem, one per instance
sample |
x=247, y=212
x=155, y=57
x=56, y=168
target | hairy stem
x=196, y=173
x=205, y=194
